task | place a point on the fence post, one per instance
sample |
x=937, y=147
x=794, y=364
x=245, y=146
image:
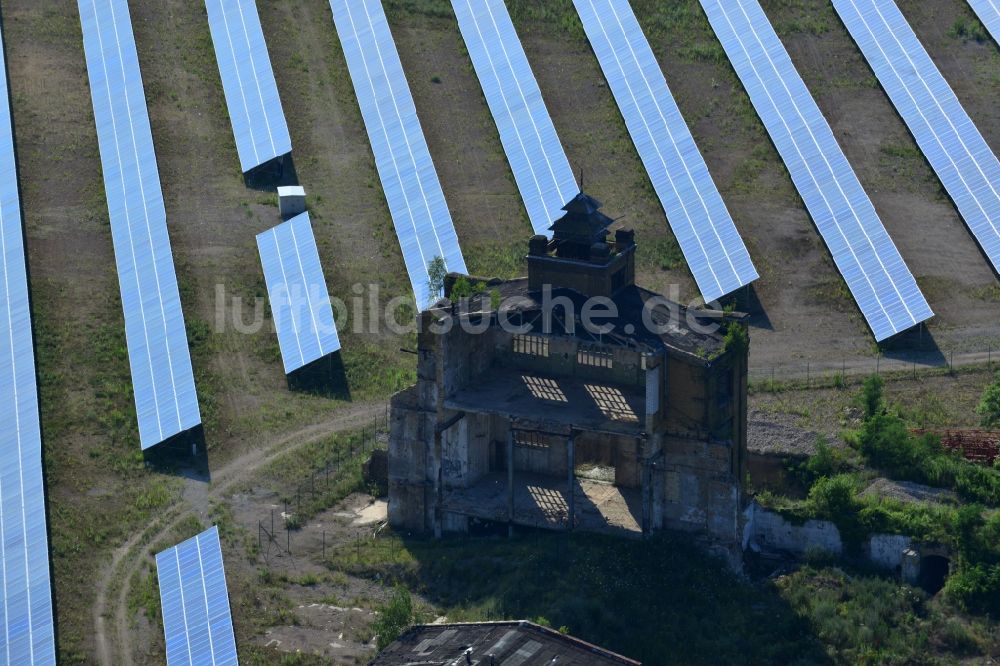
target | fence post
x=878, y=358
x=807, y=374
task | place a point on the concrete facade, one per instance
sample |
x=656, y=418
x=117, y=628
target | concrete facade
x=660, y=415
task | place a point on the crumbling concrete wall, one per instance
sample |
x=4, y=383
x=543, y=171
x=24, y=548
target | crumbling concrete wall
x=886, y=551
x=769, y=532
x=626, y=364
x=465, y=451
x=699, y=491
x=409, y=462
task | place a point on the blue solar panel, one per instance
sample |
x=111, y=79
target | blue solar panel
x=300, y=303
x=967, y=167
x=197, y=624
x=26, y=626
x=416, y=201
x=165, y=398
x=536, y=157
x=988, y=12
x=875, y=273
x=712, y=246
x=251, y=93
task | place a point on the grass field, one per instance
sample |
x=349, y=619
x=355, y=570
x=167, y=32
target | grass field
x=99, y=491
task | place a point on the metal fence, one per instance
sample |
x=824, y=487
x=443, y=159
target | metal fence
x=829, y=371
x=318, y=483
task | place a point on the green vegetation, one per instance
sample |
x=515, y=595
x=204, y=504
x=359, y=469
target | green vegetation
x=662, y=601
x=661, y=253
x=887, y=444
x=320, y=474
x=394, y=617
x=883, y=440
x=436, y=272
x=968, y=29
x=989, y=404
x=491, y=260
x=870, y=620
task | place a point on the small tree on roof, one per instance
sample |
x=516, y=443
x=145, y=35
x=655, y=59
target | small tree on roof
x=436, y=272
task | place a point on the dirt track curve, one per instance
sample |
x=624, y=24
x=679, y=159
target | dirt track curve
x=116, y=649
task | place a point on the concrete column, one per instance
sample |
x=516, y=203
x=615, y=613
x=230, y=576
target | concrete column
x=571, y=482
x=437, y=484
x=647, y=487
x=510, y=482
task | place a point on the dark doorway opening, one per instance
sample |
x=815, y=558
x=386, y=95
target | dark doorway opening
x=933, y=572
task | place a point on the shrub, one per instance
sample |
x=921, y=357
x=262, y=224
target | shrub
x=886, y=442
x=976, y=587
x=872, y=400
x=394, y=617
x=977, y=484
x=834, y=496
x=826, y=462
x=989, y=405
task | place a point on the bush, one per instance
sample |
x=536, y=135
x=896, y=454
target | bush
x=872, y=400
x=836, y=499
x=886, y=442
x=394, y=617
x=826, y=462
x=989, y=405
x=976, y=587
x=977, y=484
x=835, y=496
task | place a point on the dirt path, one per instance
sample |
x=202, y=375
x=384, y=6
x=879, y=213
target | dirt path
x=115, y=647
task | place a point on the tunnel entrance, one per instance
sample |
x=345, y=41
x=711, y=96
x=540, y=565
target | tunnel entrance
x=933, y=572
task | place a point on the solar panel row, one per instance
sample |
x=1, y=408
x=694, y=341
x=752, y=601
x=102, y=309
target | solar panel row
x=875, y=273
x=197, y=623
x=712, y=246
x=541, y=170
x=27, y=633
x=956, y=150
x=162, y=379
x=988, y=12
x=300, y=303
x=248, y=81
x=416, y=201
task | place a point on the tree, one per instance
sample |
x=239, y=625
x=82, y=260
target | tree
x=436, y=272
x=989, y=404
x=871, y=396
x=394, y=617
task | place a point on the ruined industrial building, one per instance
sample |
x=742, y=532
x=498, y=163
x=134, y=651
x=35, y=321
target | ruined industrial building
x=522, y=415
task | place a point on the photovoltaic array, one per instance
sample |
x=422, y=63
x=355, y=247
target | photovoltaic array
x=541, y=170
x=27, y=633
x=300, y=303
x=412, y=190
x=248, y=81
x=949, y=140
x=162, y=379
x=988, y=12
x=197, y=623
x=712, y=246
x=875, y=273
